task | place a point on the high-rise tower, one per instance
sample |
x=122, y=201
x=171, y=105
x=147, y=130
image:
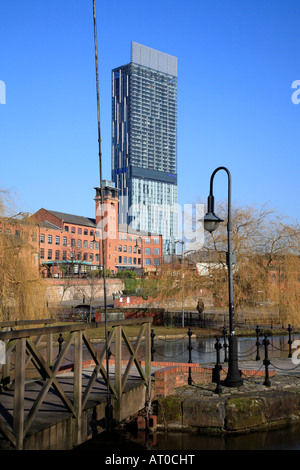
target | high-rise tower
x=144, y=141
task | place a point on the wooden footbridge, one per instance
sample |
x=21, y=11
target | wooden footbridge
x=54, y=394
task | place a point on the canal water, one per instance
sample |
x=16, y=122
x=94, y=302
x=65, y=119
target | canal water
x=281, y=439
x=204, y=351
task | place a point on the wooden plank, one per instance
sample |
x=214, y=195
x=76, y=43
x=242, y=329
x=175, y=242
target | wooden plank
x=13, y=323
x=18, y=415
x=98, y=367
x=4, y=335
x=133, y=353
x=50, y=379
x=118, y=371
x=78, y=385
x=8, y=434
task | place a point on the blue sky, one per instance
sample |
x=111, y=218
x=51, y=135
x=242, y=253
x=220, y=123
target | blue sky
x=237, y=60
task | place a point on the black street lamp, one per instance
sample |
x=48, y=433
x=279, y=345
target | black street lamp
x=211, y=222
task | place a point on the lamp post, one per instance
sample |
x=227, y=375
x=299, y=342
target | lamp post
x=182, y=295
x=211, y=222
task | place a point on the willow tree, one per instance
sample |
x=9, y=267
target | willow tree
x=265, y=243
x=180, y=282
x=22, y=290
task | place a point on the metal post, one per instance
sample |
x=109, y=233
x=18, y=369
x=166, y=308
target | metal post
x=233, y=378
x=266, y=362
x=218, y=367
x=49, y=349
x=60, y=341
x=152, y=345
x=257, y=343
x=190, y=356
x=290, y=341
x=108, y=397
x=225, y=346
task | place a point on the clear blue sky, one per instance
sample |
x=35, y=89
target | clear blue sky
x=237, y=61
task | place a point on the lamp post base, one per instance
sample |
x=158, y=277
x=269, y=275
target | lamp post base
x=233, y=378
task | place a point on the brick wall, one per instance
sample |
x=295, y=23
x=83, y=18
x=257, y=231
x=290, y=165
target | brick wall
x=130, y=300
x=173, y=376
x=172, y=304
x=156, y=313
x=42, y=215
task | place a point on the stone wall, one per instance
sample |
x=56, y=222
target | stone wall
x=76, y=289
x=251, y=407
x=229, y=414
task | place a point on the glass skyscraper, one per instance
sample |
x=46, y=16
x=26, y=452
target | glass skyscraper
x=144, y=142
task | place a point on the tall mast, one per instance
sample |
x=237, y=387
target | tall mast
x=108, y=411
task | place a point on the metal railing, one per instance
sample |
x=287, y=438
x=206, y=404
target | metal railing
x=253, y=353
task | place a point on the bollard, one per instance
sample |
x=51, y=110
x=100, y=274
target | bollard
x=266, y=362
x=290, y=340
x=152, y=345
x=225, y=345
x=60, y=341
x=190, y=356
x=218, y=367
x=257, y=343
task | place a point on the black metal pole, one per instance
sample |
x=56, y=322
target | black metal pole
x=290, y=341
x=152, y=345
x=60, y=342
x=233, y=378
x=218, y=367
x=266, y=361
x=109, y=353
x=257, y=343
x=225, y=345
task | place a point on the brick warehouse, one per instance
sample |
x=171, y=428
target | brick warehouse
x=73, y=243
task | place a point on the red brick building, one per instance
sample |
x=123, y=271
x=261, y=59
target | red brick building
x=73, y=244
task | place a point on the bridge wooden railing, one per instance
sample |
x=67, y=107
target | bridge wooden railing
x=22, y=349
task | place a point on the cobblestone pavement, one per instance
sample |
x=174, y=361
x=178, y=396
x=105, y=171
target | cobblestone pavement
x=281, y=366
x=287, y=378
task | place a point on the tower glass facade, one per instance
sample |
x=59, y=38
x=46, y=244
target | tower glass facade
x=144, y=141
